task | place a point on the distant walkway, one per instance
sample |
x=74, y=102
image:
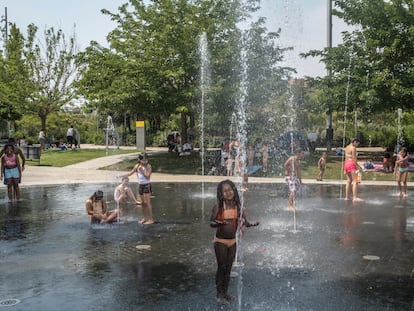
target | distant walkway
x=90, y=172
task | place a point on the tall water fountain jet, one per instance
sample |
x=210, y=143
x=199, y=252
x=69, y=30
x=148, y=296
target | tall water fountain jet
x=242, y=155
x=348, y=85
x=204, y=85
x=400, y=137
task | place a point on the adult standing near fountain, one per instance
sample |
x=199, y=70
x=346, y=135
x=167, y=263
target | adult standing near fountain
x=401, y=170
x=227, y=215
x=351, y=170
x=143, y=170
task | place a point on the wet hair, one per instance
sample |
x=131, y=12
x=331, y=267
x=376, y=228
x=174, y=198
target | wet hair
x=404, y=149
x=353, y=140
x=298, y=151
x=97, y=195
x=143, y=156
x=8, y=145
x=125, y=178
x=220, y=196
x=11, y=140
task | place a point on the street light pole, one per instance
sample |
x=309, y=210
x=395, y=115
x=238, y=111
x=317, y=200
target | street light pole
x=6, y=34
x=329, y=129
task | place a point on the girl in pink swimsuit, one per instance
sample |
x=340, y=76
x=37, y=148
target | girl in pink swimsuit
x=351, y=170
x=11, y=171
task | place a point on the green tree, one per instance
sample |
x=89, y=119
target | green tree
x=14, y=86
x=52, y=71
x=152, y=66
x=267, y=80
x=376, y=57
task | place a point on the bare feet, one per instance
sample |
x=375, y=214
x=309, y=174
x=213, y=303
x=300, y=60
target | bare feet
x=346, y=199
x=291, y=208
x=357, y=200
x=148, y=222
x=142, y=221
x=222, y=300
x=405, y=195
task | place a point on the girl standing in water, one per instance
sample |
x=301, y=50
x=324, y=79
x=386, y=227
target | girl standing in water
x=11, y=172
x=401, y=170
x=351, y=170
x=226, y=216
x=143, y=170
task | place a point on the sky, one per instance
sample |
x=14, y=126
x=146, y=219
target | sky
x=303, y=23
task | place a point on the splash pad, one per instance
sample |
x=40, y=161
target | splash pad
x=53, y=258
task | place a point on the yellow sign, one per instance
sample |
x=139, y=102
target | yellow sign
x=139, y=123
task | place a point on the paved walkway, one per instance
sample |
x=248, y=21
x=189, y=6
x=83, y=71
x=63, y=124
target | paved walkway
x=90, y=172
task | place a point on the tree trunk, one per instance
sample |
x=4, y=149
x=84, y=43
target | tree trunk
x=43, y=122
x=184, y=127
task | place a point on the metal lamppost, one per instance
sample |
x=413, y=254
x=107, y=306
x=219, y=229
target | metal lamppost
x=329, y=129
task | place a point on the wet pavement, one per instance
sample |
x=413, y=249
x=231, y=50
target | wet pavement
x=329, y=255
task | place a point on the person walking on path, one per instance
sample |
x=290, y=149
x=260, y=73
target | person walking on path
x=321, y=166
x=11, y=172
x=97, y=208
x=351, y=171
x=227, y=217
x=401, y=170
x=143, y=170
x=293, y=176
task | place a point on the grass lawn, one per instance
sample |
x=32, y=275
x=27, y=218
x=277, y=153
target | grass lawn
x=60, y=158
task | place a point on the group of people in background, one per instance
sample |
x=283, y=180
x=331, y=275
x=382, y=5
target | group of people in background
x=72, y=140
x=96, y=206
x=293, y=176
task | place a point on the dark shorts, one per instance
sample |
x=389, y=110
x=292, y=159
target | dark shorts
x=69, y=139
x=146, y=188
